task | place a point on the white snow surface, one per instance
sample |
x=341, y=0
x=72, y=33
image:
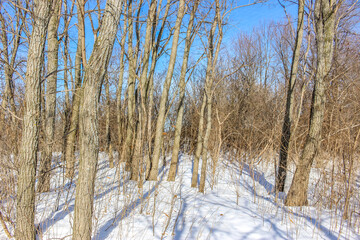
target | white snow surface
x=240, y=205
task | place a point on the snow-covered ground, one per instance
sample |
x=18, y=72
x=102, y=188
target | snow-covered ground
x=240, y=205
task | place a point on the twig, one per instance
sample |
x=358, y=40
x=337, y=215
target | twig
x=4, y=226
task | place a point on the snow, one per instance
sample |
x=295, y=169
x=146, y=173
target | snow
x=240, y=205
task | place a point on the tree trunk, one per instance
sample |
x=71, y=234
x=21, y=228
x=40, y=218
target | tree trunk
x=150, y=87
x=50, y=104
x=89, y=143
x=119, y=112
x=325, y=16
x=67, y=110
x=199, y=142
x=210, y=74
x=137, y=160
x=80, y=60
x=182, y=84
x=74, y=119
x=10, y=63
x=108, y=130
x=25, y=208
x=288, y=118
x=130, y=129
x=9, y=69
x=164, y=96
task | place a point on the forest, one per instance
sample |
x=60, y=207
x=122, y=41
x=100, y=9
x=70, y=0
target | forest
x=166, y=119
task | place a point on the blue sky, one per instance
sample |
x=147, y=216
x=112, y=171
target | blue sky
x=246, y=18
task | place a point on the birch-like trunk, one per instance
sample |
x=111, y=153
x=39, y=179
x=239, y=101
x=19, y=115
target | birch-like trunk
x=164, y=96
x=89, y=142
x=50, y=103
x=324, y=17
x=288, y=118
x=25, y=207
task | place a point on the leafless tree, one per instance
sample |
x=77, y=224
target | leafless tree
x=25, y=208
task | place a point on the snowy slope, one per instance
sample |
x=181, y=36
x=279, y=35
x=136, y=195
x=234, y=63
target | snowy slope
x=241, y=205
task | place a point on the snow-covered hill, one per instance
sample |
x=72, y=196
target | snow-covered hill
x=240, y=205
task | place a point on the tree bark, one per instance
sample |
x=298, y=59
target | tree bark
x=199, y=144
x=140, y=129
x=67, y=111
x=25, y=208
x=9, y=69
x=119, y=111
x=89, y=143
x=107, y=127
x=325, y=16
x=50, y=104
x=210, y=74
x=130, y=129
x=150, y=87
x=74, y=119
x=182, y=84
x=164, y=96
x=288, y=118
x=9, y=66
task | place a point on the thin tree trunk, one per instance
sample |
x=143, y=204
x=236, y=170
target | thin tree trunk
x=119, y=111
x=89, y=143
x=67, y=110
x=10, y=62
x=25, y=208
x=107, y=127
x=130, y=129
x=9, y=69
x=180, y=114
x=199, y=144
x=164, y=96
x=288, y=118
x=150, y=86
x=140, y=130
x=74, y=119
x=50, y=104
x=325, y=15
x=210, y=74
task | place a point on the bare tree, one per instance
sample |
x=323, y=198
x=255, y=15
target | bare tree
x=206, y=103
x=109, y=149
x=95, y=72
x=25, y=208
x=66, y=55
x=288, y=118
x=182, y=84
x=164, y=96
x=212, y=54
x=325, y=18
x=76, y=98
x=119, y=113
x=140, y=129
x=127, y=148
x=52, y=65
x=9, y=59
x=156, y=51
